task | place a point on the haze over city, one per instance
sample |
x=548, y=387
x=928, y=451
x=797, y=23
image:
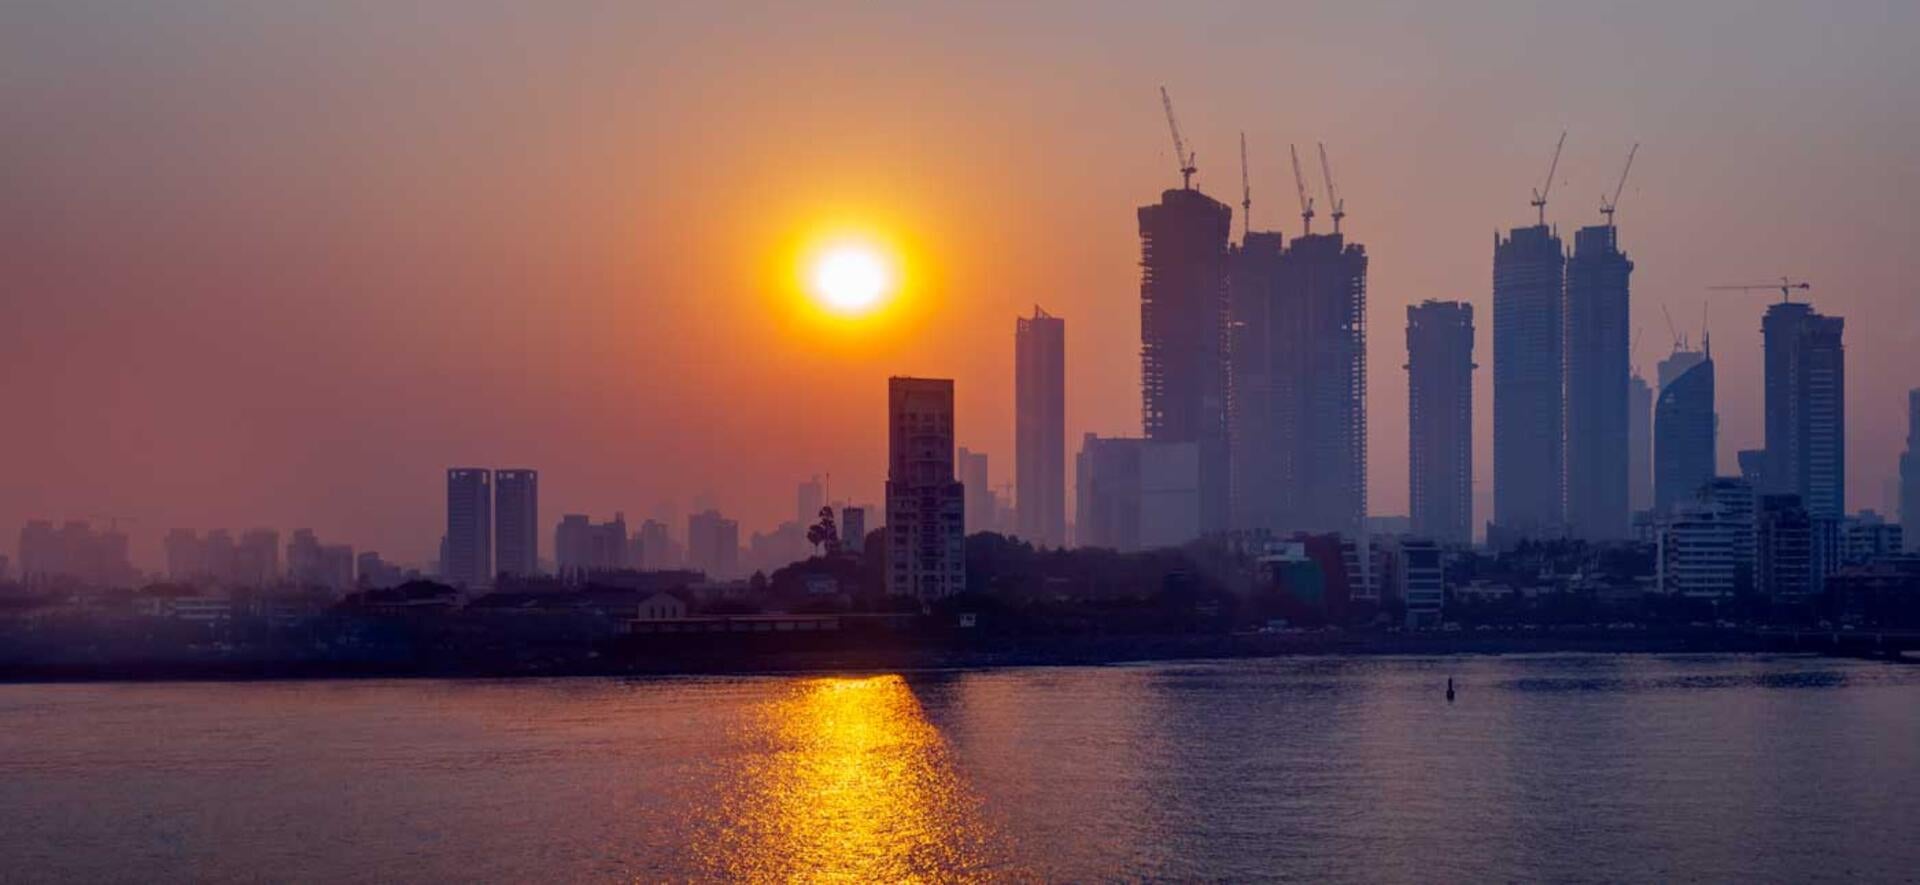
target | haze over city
x=284, y=265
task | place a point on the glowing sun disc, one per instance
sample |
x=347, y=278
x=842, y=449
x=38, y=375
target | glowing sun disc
x=851, y=279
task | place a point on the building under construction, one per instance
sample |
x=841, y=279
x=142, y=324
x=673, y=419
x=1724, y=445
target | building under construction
x=1183, y=335
x=1598, y=342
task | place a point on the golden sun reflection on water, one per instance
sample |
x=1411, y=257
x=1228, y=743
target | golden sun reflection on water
x=847, y=781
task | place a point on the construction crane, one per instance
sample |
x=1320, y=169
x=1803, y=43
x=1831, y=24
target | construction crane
x=1180, y=154
x=1300, y=185
x=1540, y=193
x=1607, y=206
x=1338, y=205
x=1679, y=341
x=1785, y=287
x=1246, y=192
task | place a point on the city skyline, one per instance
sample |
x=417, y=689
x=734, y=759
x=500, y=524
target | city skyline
x=224, y=450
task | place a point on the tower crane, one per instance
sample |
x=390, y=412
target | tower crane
x=1785, y=287
x=1338, y=205
x=1180, y=155
x=1246, y=193
x=1607, y=206
x=1300, y=185
x=1540, y=193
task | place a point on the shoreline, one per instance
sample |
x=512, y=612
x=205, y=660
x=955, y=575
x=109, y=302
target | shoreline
x=626, y=658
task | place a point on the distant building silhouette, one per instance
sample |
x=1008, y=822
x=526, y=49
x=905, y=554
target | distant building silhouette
x=713, y=545
x=74, y=552
x=1867, y=537
x=1806, y=435
x=971, y=467
x=256, y=559
x=1598, y=338
x=1440, y=420
x=311, y=564
x=853, y=529
x=1639, y=444
x=1040, y=428
x=1529, y=414
x=582, y=547
x=1784, y=549
x=516, y=522
x=1137, y=494
x=468, y=560
x=926, y=510
x=1683, y=428
x=1300, y=381
x=658, y=551
x=1910, y=474
x=1183, y=336
x=808, y=499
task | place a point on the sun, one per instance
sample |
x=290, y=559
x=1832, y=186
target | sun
x=851, y=278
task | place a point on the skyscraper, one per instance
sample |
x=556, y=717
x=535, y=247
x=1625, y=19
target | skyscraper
x=1300, y=379
x=1598, y=339
x=1639, y=444
x=808, y=499
x=1040, y=428
x=1440, y=420
x=1136, y=494
x=926, y=510
x=1183, y=335
x=971, y=468
x=1910, y=474
x=1806, y=407
x=516, y=522
x=1529, y=416
x=1683, y=428
x=713, y=545
x=468, y=559
x=1806, y=430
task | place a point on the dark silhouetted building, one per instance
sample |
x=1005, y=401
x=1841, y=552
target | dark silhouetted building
x=713, y=545
x=1262, y=468
x=658, y=551
x=1683, y=428
x=1040, y=428
x=853, y=529
x=468, y=554
x=1639, y=444
x=926, y=506
x=808, y=499
x=971, y=468
x=582, y=547
x=1910, y=474
x=1806, y=420
x=1529, y=414
x=1784, y=549
x=1598, y=341
x=1183, y=336
x=1440, y=420
x=1136, y=494
x=516, y=522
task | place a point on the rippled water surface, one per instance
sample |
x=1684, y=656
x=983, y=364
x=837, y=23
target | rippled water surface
x=1562, y=768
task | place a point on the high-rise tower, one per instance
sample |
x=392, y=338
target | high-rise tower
x=1183, y=335
x=1806, y=407
x=516, y=522
x=926, y=510
x=1040, y=428
x=1529, y=417
x=1440, y=420
x=1597, y=344
x=1910, y=474
x=468, y=557
x=1684, y=427
x=1639, y=444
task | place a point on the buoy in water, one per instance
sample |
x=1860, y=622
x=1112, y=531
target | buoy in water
x=1449, y=689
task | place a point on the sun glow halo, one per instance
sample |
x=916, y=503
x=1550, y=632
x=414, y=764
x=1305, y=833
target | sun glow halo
x=851, y=278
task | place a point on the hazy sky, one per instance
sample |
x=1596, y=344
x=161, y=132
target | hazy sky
x=283, y=263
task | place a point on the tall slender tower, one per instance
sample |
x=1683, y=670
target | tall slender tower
x=1040, y=427
x=1597, y=344
x=1529, y=414
x=1639, y=444
x=1684, y=427
x=1183, y=335
x=468, y=557
x=1806, y=420
x=1910, y=474
x=1440, y=420
x=926, y=507
x=516, y=522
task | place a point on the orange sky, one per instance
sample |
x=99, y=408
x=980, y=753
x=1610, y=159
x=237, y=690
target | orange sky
x=271, y=265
